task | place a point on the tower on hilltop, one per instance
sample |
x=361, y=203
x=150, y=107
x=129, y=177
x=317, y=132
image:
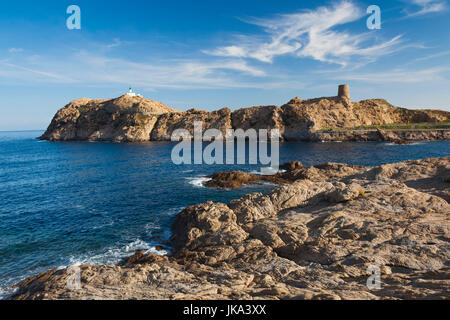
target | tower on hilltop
x=344, y=91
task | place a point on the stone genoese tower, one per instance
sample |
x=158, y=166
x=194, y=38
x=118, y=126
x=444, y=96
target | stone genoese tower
x=344, y=91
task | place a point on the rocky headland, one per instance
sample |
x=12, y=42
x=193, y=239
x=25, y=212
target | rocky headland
x=313, y=237
x=136, y=119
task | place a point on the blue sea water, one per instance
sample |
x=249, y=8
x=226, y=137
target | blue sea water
x=79, y=202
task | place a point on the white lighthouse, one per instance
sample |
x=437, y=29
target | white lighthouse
x=133, y=94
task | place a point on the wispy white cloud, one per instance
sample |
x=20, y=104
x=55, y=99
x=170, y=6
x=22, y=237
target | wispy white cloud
x=310, y=34
x=231, y=51
x=433, y=56
x=425, y=75
x=116, y=43
x=168, y=73
x=13, y=71
x=427, y=6
x=15, y=50
x=94, y=68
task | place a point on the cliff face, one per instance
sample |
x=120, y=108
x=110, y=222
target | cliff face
x=127, y=119
x=315, y=238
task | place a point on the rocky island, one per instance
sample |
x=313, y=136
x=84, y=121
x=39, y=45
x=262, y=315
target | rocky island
x=132, y=118
x=316, y=236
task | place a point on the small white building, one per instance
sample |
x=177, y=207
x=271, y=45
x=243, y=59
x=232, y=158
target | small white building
x=132, y=94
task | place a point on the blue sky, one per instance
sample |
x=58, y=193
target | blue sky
x=213, y=54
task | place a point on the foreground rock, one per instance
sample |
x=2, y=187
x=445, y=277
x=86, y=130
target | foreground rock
x=312, y=239
x=231, y=180
x=135, y=119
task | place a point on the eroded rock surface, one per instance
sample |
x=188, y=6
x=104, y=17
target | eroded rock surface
x=311, y=239
x=169, y=122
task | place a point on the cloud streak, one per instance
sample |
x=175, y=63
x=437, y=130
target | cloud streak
x=310, y=34
x=428, y=6
x=399, y=75
x=15, y=50
x=96, y=69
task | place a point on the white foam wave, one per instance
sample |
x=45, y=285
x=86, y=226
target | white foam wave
x=7, y=291
x=408, y=144
x=416, y=143
x=198, y=181
x=113, y=255
x=267, y=171
x=155, y=231
x=173, y=211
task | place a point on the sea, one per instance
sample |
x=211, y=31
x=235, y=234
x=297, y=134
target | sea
x=72, y=203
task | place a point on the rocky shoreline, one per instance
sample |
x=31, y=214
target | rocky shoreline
x=395, y=136
x=135, y=119
x=315, y=237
